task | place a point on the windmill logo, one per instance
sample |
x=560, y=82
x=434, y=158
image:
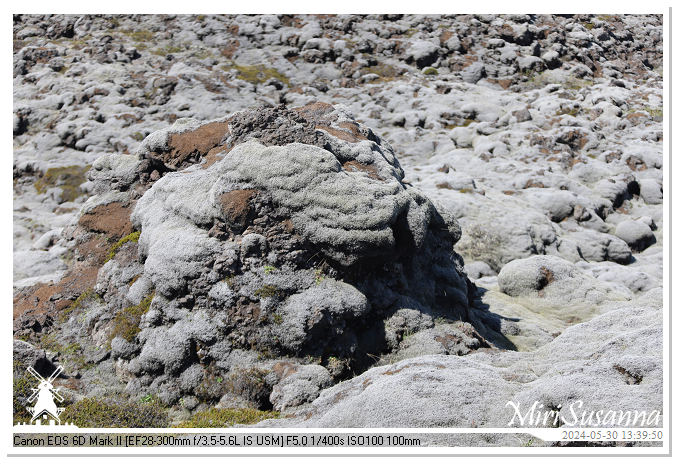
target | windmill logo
x=45, y=408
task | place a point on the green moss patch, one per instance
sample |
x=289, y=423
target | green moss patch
x=71, y=353
x=139, y=36
x=133, y=237
x=68, y=179
x=574, y=83
x=385, y=71
x=540, y=79
x=465, y=123
x=268, y=291
x=167, y=50
x=481, y=244
x=654, y=112
x=126, y=322
x=257, y=74
x=410, y=32
x=227, y=417
x=202, y=53
x=21, y=389
x=92, y=412
x=87, y=295
x=569, y=111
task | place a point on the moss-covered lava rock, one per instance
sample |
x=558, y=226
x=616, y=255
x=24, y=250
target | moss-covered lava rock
x=272, y=235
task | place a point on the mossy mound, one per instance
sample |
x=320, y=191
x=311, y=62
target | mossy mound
x=92, y=412
x=21, y=389
x=68, y=179
x=126, y=322
x=257, y=74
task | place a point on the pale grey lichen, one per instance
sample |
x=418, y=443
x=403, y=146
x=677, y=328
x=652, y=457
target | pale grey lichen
x=347, y=213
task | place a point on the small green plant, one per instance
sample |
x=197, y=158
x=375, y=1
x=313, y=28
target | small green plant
x=212, y=387
x=148, y=398
x=269, y=269
x=430, y=71
x=138, y=136
x=277, y=319
x=318, y=276
x=338, y=365
x=265, y=353
x=216, y=417
x=529, y=73
x=309, y=359
x=133, y=237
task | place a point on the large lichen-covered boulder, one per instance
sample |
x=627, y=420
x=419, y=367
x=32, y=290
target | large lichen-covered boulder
x=272, y=234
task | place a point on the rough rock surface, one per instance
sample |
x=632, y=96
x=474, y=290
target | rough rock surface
x=636, y=234
x=287, y=239
x=624, y=373
x=552, y=278
x=145, y=202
